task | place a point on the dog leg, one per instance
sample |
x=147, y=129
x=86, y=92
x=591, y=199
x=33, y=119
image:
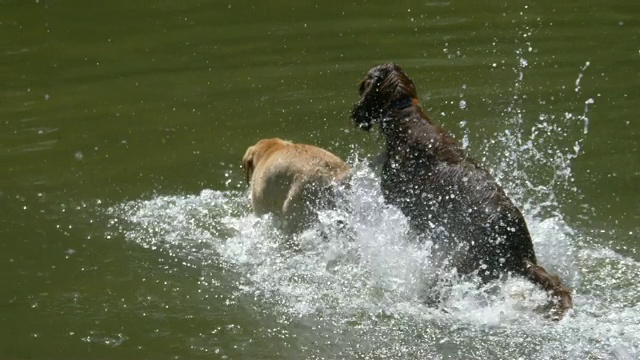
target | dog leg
x=296, y=208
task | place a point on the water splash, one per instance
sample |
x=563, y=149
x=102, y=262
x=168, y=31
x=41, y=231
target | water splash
x=532, y=158
x=371, y=285
x=580, y=75
x=371, y=292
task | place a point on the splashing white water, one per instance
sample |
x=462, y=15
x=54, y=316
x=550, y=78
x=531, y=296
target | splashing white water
x=581, y=74
x=374, y=286
x=371, y=292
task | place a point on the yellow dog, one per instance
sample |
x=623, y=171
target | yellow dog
x=292, y=181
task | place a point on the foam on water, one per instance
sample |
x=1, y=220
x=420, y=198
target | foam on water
x=369, y=290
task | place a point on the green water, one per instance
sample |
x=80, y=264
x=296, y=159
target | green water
x=109, y=102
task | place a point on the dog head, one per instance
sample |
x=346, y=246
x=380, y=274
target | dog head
x=384, y=88
x=257, y=152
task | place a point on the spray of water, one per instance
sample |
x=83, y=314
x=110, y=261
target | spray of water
x=369, y=291
x=372, y=282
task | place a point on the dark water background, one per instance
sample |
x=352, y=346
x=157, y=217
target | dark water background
x=125, y=232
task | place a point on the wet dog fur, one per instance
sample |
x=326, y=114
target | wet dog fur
x=438, y=187
x=292, y=181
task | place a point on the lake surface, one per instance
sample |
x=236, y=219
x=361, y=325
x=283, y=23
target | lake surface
x=126, y=231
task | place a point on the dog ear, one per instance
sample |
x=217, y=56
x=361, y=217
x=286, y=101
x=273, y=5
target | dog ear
x=247, y=163
x=367, y=111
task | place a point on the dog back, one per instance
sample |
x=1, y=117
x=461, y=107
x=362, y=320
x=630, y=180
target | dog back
x=292, y=180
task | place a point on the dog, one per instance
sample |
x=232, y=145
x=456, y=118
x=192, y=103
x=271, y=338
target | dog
x=292, y=181
x=446, y=194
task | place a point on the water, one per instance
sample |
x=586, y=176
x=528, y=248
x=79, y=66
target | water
x=362, y=294
x=126, y=228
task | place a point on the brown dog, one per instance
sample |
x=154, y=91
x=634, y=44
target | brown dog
x=445, y=193
x=292, y=181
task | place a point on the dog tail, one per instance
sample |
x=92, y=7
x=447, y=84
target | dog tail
x=551, y=283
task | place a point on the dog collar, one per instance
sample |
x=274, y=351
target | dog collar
x=405, y=103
